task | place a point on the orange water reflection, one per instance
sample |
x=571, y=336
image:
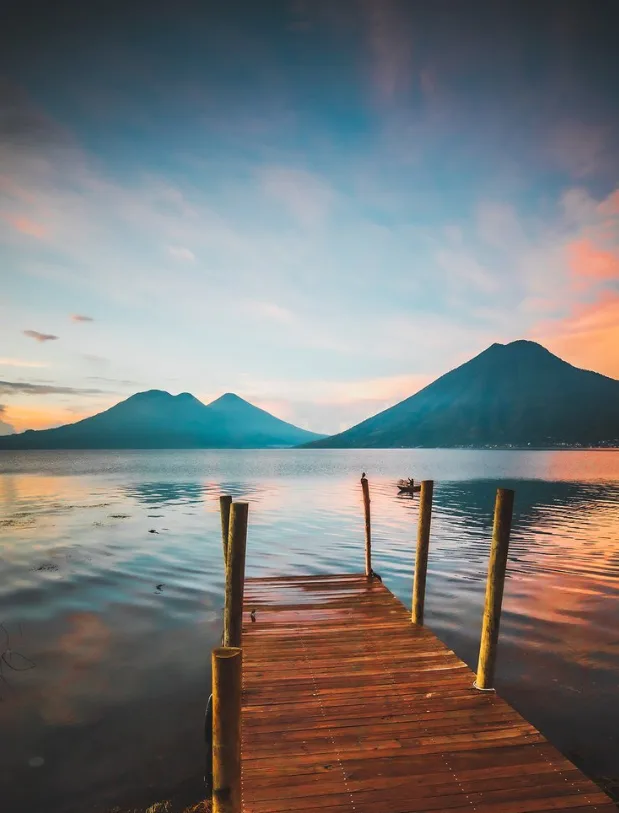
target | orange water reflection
x=119, y=620
x=75, y=671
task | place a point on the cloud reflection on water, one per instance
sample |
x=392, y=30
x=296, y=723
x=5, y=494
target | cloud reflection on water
x=112, y=651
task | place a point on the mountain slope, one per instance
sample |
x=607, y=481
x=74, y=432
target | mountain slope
x=158, y=420
x=240, y=419
x=515, y=394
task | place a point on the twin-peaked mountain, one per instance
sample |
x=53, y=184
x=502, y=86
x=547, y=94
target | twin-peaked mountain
x=158, y=420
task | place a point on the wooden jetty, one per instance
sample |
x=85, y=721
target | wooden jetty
x=347, y=705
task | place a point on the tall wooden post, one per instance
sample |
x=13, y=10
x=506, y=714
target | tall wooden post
x=503, y=510
x=227, y=683
x=235, y=574
x=368, y=533
x=225, y=501
x=423, y=544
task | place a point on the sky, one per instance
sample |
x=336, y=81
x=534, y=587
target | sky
x=319, y=205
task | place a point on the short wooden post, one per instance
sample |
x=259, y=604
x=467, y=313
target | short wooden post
x=225, y=501
x=368, y=533
x=235, y=574
x=423, y=544
x=503, y=511
x=227, y=682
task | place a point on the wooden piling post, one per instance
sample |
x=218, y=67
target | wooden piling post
x=225, y=501
x=423, y=544
x=235, y=574
x=368, y=533
x=503, y=510
x=227, y=683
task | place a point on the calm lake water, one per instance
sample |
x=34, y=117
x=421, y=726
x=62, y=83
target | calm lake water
x=107, y=627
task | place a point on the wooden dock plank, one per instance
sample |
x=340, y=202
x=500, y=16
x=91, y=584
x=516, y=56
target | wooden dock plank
x=349, y=707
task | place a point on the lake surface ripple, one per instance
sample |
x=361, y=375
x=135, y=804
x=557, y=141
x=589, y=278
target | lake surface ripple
x=111, y=595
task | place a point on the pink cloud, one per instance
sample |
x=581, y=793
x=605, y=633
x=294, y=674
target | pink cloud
x=589, y=336
x=371, y=390
x=277, y=406
x=390, y=389
x=588, y=263
x=26, y=226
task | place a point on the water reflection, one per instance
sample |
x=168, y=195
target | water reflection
x=558, y=527
x=160, y=494
x=122, y=661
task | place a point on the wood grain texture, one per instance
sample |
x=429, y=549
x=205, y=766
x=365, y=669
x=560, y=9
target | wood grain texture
x=497, y=566
x=226, y=739
x=225, y=501
x=423, y=545
x=347, y=706
x=235, y=574
x=365, y=488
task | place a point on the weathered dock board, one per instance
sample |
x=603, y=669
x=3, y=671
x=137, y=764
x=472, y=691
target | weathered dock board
x=348, y=706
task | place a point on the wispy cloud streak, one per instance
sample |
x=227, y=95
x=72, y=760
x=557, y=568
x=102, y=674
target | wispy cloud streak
x=25, y=388
x=40, y=337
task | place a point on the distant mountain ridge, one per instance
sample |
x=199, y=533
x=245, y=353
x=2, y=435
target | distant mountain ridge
x=158, y=420
x=516, y=394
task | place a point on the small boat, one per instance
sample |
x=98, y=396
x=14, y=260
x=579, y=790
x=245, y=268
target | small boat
x=408, y=486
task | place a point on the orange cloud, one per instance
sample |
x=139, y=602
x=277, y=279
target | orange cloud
x=13, y=362
x=26, y=226
x=589, y=263
x=589, y=337
x=22, y=418
x=276, y=406
x=388, y=389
